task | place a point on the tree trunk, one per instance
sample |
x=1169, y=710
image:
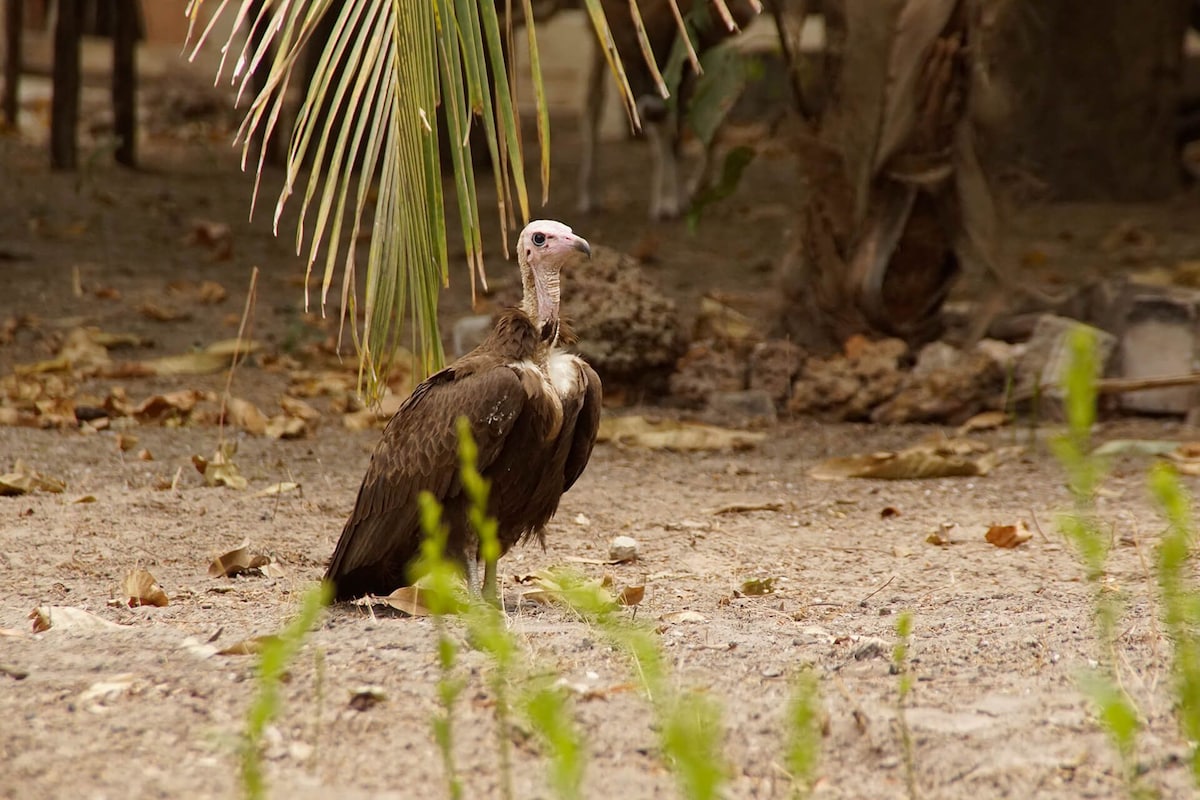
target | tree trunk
x=13, y=24
x=64, y=105
x=124, y=80
x=1092, y=92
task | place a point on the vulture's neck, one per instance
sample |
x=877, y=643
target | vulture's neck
x=540, y=301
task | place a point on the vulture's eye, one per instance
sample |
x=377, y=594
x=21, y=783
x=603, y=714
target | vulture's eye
x=539, y=239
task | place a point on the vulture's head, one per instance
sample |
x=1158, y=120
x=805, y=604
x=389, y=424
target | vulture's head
x=544, y=248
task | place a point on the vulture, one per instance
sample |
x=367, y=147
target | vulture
x=533, y=409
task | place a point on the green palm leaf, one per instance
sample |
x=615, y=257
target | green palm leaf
x=369, y=121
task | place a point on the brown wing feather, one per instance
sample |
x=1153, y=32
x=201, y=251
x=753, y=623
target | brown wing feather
x=419, y=451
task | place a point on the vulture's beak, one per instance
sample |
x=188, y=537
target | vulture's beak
x=582, y=246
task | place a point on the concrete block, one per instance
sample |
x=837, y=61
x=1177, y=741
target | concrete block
x=1161, y=338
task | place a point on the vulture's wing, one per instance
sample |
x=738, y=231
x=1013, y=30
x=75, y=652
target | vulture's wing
x=419, y=451
x=587, y=424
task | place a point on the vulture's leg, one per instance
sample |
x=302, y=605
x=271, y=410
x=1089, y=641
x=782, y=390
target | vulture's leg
x=473, y=575
x=491, y=588
x=593, y=112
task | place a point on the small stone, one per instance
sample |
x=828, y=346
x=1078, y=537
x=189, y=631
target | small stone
x=623, y=548
x=870, y=647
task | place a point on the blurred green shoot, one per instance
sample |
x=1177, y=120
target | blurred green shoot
x=1181, y=601
x=904, y=686
x=477, y=487
x=689, y=723
x=548, y=710
x=803, y=747
x=273, y=660
x=1085, y=470
x=441, y=598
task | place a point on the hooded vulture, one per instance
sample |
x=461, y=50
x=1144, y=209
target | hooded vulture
x=533, y=409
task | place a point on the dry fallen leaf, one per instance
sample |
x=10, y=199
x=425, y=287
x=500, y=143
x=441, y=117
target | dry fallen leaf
x=277, y=488
x=66, y=617
x=743, y=508
x=247, y=647
x=141, y=589
x=755, y=587
x=220, y=470
x=1186, y=458
x=217, y=237
x=943, y=536
x=23, y=480
x=295, y=407
x=410, y=600
x=1008, y=535
x=637, y=431
x=943, y=459
x=170, y=405
x=240, y=561
x=246, y=416
x=211, y=293
x=983, y=421
x=631, y=595
x=281, y=426
x=160, y=313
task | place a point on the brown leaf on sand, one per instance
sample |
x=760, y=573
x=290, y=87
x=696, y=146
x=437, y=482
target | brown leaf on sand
x=281, y=426
x=631, y=595
x=637, y=431
x=217, y=237
x=83, y=352
x=983, y=421
x=141, y=589
x=211, y=293
x=240, y=561
x=1186, y=458
x=940, y=459
x=299, y=409
x=23, y=480
x=410, y=600
x=66, y=617
x=245, y=415
x=247, y=647
x=220, y=470
x=1008, y=535
x=172, y=404
x=162, y=313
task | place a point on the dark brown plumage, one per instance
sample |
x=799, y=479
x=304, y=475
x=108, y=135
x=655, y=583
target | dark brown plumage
x=533, y=410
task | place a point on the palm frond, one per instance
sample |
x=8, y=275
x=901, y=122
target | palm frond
x=369, y=121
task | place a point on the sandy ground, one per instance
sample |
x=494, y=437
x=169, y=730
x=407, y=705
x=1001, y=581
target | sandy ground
x=1000, y=636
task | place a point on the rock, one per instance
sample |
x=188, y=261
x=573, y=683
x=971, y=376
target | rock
x=623, y=548
x=870, y=647
x=751, y=404
x=774, y=365
x=628, y=329
x=946, y=385
x=848, y=387
x=1039, y=371
x=706, y=369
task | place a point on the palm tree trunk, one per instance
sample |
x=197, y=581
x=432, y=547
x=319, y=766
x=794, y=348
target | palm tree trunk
x=64, y=105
